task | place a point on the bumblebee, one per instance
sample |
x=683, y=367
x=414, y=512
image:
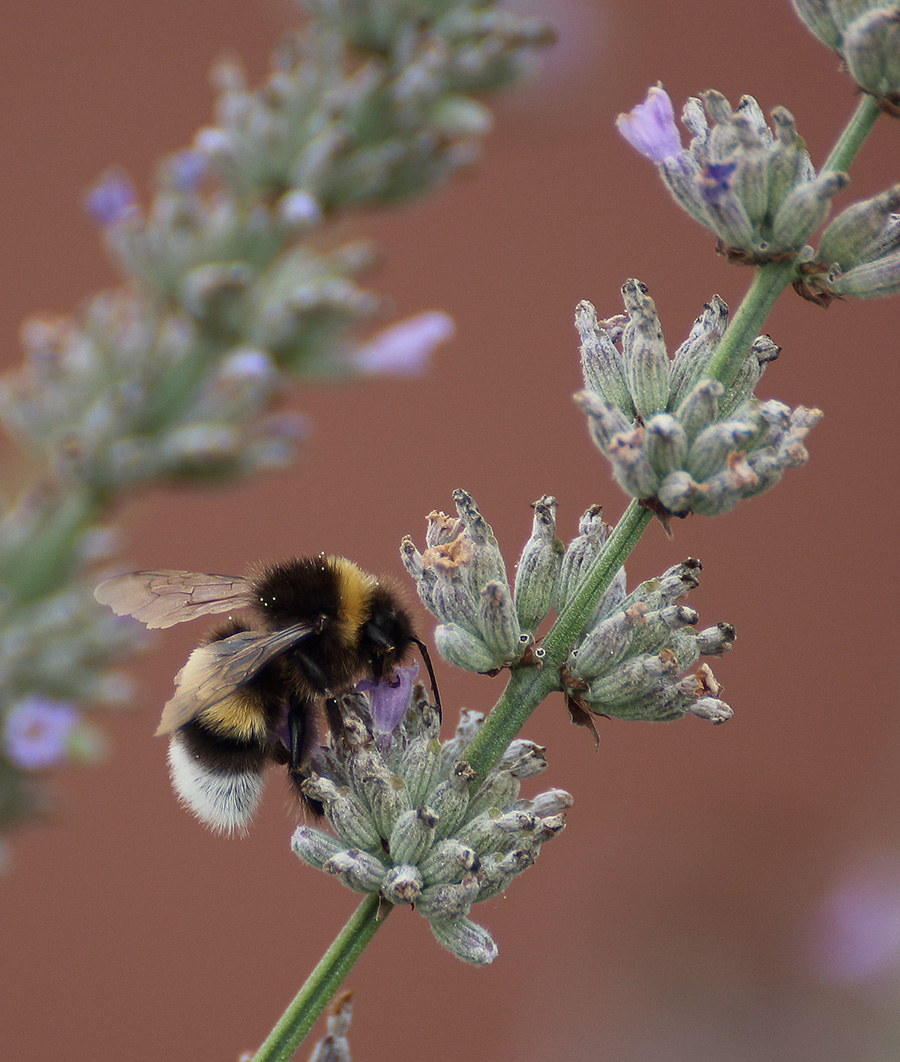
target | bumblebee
x=251, y=694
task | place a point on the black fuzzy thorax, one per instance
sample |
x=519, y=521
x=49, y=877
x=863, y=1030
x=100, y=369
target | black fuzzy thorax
x=312, y=590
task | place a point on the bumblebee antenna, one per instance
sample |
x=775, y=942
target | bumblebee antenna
x=423, y=649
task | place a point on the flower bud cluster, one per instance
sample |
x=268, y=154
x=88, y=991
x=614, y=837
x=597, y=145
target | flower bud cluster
x=859, y=253
x=408, y=827
x=866, y=35
x=631, y=663
x=461, y=578
x=677, y=440
x=753, y=186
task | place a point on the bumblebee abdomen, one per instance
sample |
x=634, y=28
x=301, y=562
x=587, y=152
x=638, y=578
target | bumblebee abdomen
x=219, y=780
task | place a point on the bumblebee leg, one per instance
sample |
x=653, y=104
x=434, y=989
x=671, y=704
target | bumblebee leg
x=334, y=717
x=316, y=675
x=301, y=737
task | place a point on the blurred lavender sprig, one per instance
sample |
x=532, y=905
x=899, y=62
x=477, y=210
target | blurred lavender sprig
x=232, y=290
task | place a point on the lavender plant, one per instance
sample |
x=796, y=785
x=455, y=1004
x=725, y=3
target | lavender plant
x=230, y=294
x=174, y=376
x=684, y=435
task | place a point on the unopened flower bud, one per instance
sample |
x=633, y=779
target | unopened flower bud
x=645, y=361
x=498, y=870
x=551, y=803
x=716, y=641
x=692, y=357
x=869, y=280
x=443, y=902
x=448, y=861
x=412, y=834
x=666, y=444
x=451, y=798
x=820, y=19
x=850, y=237
x=606, y=643
x=389, y=800
x=524, y=759
x=713, y=446
x=601, y=363
x=358, y=870
x=499, y=790
x=346, y=814
x=462, y=649
x=581, y=551
x=538, y=569
x=466, y=940
x=711, y=708
x=804, y=210
x=314, y=846
x=499, y=623
x=402, y=885
x=871, y=49
x=419, y=766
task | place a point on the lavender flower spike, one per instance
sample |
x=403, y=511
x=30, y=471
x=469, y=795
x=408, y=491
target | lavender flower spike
x=650, y=126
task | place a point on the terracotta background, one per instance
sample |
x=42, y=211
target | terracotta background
x=683, y=916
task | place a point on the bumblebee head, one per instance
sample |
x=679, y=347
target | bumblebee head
x=388, y=634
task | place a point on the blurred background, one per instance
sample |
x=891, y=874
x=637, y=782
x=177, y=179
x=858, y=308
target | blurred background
x=720, y=892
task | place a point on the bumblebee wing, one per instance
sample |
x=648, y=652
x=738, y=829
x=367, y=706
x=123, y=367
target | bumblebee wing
x=215, y=671
x=163, y=598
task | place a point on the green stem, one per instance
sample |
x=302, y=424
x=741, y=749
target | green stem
x=527, y=687
x=855, y=132
x=40, y=564
x=769, y=281
x=323, y=982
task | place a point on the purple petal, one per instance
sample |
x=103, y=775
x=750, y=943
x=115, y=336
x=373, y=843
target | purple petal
x=37, y=731
x=404, y=348
x=857, y=928
x=111, y=199
x=650, y=126
x=389, y=699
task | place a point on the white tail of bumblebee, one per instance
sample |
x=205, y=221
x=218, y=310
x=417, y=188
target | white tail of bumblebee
x=223, y=801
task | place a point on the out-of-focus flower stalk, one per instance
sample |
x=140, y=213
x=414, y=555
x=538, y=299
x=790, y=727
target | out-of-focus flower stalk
x=227, y=301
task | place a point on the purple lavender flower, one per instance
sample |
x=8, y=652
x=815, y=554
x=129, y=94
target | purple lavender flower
x=37, y=732
x=857, y=927
x=389, y=699
x=187, y=169
x=404, y=348
x=111, y=199
x=650, y=126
